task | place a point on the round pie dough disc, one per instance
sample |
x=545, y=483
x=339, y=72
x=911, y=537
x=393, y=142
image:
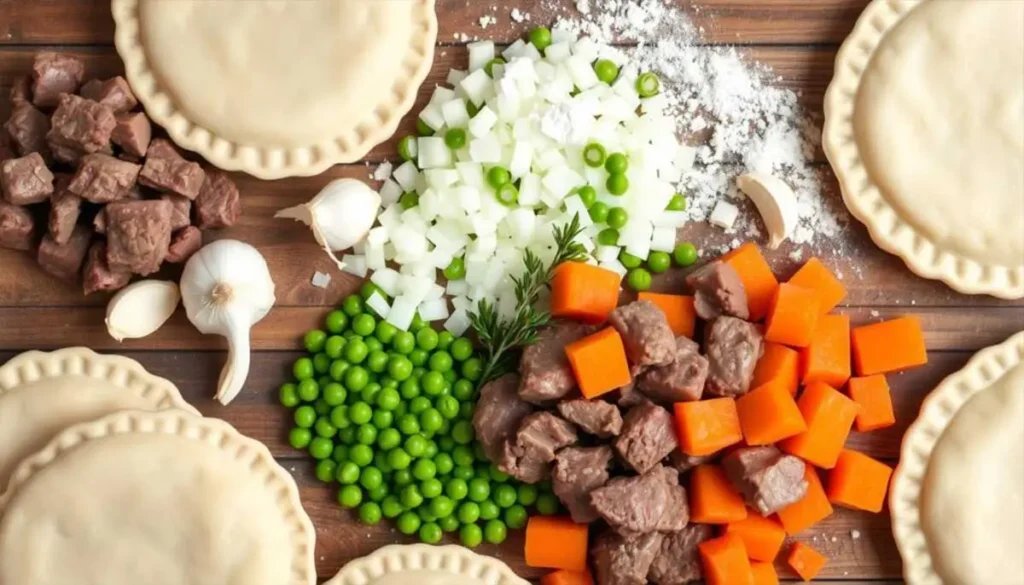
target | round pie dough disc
x=426, y=565
x=925, y=130
x=41, y=394
x=161, y=498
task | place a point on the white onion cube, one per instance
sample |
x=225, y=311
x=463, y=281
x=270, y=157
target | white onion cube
x=615, y=266
x=378, y=236
x=514, y=50
x=724, y=215
x=485, y=150
x=403, y=309
x=375, y=257
x=355, y=264
x=441, y=178
x=390, y=192
x=457, y=287
x=476, y=86
x=406, y=176
x=455, y=77
x=433, y=310
x=558, y=52
x=431, y=116
x=582, y=72
x=560, y=181
x=387, y=280
x=606, y=253
x=458, y=323
x=480, y=53
x=522, y=158
x=469, y=198
x=379, y=304
x=663, y=239
x=471, y=173
x=455, y=113
x=529, y=190
x=433, y=153
x=483, y=122
x=521, y=223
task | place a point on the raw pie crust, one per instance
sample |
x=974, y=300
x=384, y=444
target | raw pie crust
x=163, y=498
x=422, y=564
x=957, y=496
x=273, y=88
x=924, y=127
x=41, y=394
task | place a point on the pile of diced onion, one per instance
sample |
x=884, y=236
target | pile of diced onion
x=535, y=116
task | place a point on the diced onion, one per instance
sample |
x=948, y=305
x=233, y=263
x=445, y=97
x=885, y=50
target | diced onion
x=379, y=304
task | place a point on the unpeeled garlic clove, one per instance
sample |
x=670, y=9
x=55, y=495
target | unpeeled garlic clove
x=776, y=203
x=140, y=309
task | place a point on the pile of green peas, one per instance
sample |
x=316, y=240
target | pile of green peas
x=387, y=414
x=640, y=276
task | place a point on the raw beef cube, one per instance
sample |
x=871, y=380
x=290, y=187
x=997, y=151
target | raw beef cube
x=577, y=472
x=528, y=455
x=168, y=172
x=28, y=128
x=133, y=133
x=218, y=204
x=680, y=381
x=65, y=207
x=181, y=215
x=624, y=560
x=648, y=436
x=184, y=243
x=65, y=260
x=54, y=74
x=682, y=462
x=81, y=125
x=98, y=275
x=17, y=227
x=595, y=417
x=768, y=479
x=114, y=93
x=733, y=346
x=645, y=333
x=102, y=178
x=545, y=370
x=643, y=503
x=718, y=290
x=499, y=412
x=138, y=235
x=26, y=180
x=679, y=559
x=21, y=90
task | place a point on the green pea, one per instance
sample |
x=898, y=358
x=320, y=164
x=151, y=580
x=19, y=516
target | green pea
x=399, y=367
x=321, y=447
x=505, y=496
x=450, y=376
x=338, y=369
x=399, y=459
x=495, y=531
x=639, y=279
x=648, y=85
x=369, y=392
x=463, y=390
x=334, y=346
x=498, y=177
x=334, y=394
x=360, y=413
x=321, y=407
x=369, y=513
x=606, y=70
x=456, y=270
x=448, y=407
x=373, y=344
x=401, y=477
x=432, y=488
x=339, y=417
x=431, y=450
x=588, y=195
x=325, y=470
x=617, y=217
x=408, y=523
x=599, y=212
x=444, y=463
x=629, y=261
x=527, y=494
x=540, y=37
x=440, y=361
x=432, y=383
x=347, y=435
x=617, y=163
x=356, y=378
x=366, y=434
x=617, y=184
x=479, y=489
x=594, y=155
x=659, y=262
x=471, y=535
x=353, y=305
x=407, y=148
x=350, y=496
x=314, y=341
x=288, y=395
x=300, y=437
x=463, y=456
x=409, y=424
x=385, y=332
x=391, y=507
x=411, y=496
x=418, y=357
x=431, y=420
x=303, y=369
x=380, y=461
x=419, y=405
x=388, y=439
x=449, y=523
x=356, y=351
x=497, y=474
x=361, y=455
x=466, y=410
x=468, y=512
x=455, y=138
x=516, y=517
x=417, y=323
x=388, y=399
x=364, y=325
x=336, y=321
x=370, y=478
x=324, y=428
x=677, y=203
x=685, y=254
x=489, y=510
x=409, y=199
x=442, y=506
x=426, y=339
x=410, y=388
x=463, y=433
x=424, y=469
x=415, y=445
x=305, y=416
x=463, y=473
x=547, y=504
x=378, y=493
x=430, y=533
x=377, y=361
x=340, y=453
x=445, y=339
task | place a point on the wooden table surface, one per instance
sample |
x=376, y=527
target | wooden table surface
x=798, y=38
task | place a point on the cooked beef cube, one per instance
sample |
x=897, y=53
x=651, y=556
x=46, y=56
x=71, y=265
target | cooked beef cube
x=682, y=380
x=678, y=561
x=629, y=396
x=546, y=372
x=677, y=505
x=184, y=243
x=648, y=436
x=768, y=479
x=645, y=333
x=682, y=462
x=115, y=93
x=218, y=204
x=594, y=417
x=168, y=172
x=624, y=560
x=577, y=472
x=28, y=128
x=499, y=412
x=643, y=503
x=81, y=125
x=21, y=90
x=138, y=235
x=181, y=215
x=98, y=275
x=133, y=133
x=527, y=456
x=718, y=290
x=54, y=74
x=17, y=227
x=102, y=178
x=733, y=346
x=65, y=207
x=65, y=260
x=26, y=180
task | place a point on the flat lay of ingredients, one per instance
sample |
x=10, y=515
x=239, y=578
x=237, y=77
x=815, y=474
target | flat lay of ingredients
x=562, y=292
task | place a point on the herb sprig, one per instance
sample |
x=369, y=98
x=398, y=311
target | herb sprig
x=501, y=336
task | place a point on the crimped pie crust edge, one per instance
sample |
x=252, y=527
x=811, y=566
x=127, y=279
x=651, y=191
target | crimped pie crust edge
x=451, y=560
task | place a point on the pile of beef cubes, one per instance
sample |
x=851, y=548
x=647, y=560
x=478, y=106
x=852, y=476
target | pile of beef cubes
x=82, y=158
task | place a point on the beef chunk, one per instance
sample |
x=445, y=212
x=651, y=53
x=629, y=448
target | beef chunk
x=168, y=172
x=595, y=417
x=682, y=462
x=115, y=93
x=181, y=215
x=499, y=412
x=577, y=472
x=648, y=436
x=28, y=128
x=682, y=380
x=528, y=455
x=65, y=207
x=17, y=227
x=138, y=235
x=102, y=178
x=65, y=260
x=98, y=275
x=733, y=346
x=643, y=503
x=184, y=243
x=21, y=90
x=624, y=560
x=82, y=126
x=218, y=204
x=645, y=333
x=718, y=290
x=54, y=74
x=678, y=561
x=26, y=180
x=546, y=372
x=628, y=396
x=768, y=479
x=132, y=133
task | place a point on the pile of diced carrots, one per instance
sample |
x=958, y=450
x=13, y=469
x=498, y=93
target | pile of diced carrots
x=795, y=403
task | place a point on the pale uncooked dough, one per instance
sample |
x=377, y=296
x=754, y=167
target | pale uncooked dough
x=972, y=502
x=421, y=564
x=426, y=577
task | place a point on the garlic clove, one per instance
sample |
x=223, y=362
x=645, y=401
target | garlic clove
x=141, y=308
x=776, y=203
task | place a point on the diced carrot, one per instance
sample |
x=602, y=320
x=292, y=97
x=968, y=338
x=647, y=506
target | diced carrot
x=769, y=414
x=811, y=509
x=713, y=498
x=758, y=278
x=827, y=358
x=793, y=316
x=763, y=537
x=554, y=542
x=875, y=400
x=707, y=426
x=583, y=292
x=678, y=311
x=725, y=561
x=567, y=578
x=764, y=574
x=858, y=481
x=599, y=362
x=816, y=276
x=806, y=561
x=829, y=416
x=779, y=364
x=889, y=346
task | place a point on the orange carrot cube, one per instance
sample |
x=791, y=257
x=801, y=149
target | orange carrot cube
x=725, y=561
x=858, y=481
x=779, y=364
x=827, y=358
x=813, y=508
x=564, y=577
x=816, y=276
x=707, y=426
x=806, y=561
x=764, y=574
x=769, y=414
x=793, y=316
x=678, y=311
x=829, y=416
x=762, y=536
x=758, y=278
x=599, y=362
x=889, y=346
x=875, y=400
x=713, y=498
x=583, y=292
x=554, y=542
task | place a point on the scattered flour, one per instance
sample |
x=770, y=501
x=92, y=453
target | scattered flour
x=487, y=20
x=855, y=534
x=383, y=171
x=519, y=16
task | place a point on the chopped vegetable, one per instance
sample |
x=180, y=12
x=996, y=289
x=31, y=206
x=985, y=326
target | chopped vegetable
x=713, y=498
x=859, y=482
x=829, y=416
x=455, y=138
x=588, y=195
x=659, y=262
x=813, y=508
x=606, y=70
x=793, y=316
x=827, y=358
x=423, y=129
x=762, y=537
x=678, y=310
x=599, y=362
x=629, y=261
x=583, y=292
x=564, y=577
x=594, y=155
x=816, y=276
x=540, y=37
x=875, y=400
x=407, y=148
x=498, y=176
x=617, y=218
x=806, y=561
x=778, y=364
x=617, y=164
x=608, y=237
x=489, y=67
x=598, y=212
x=507, y=195
x=685, y=254
x=764, y=574
x=769, y=414
x=677, y=203
x=758, y=278
x=639, y=279
x=889, y=346
x=707, y=426
x=725, y=561
x=556, y=543
x=648, y=85
x=617, y=183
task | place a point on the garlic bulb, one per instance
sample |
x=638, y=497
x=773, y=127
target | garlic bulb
x=226, y=288
x=340, y=215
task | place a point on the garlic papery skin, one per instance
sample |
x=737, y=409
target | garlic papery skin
x=340, y=215
x=226, y=288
